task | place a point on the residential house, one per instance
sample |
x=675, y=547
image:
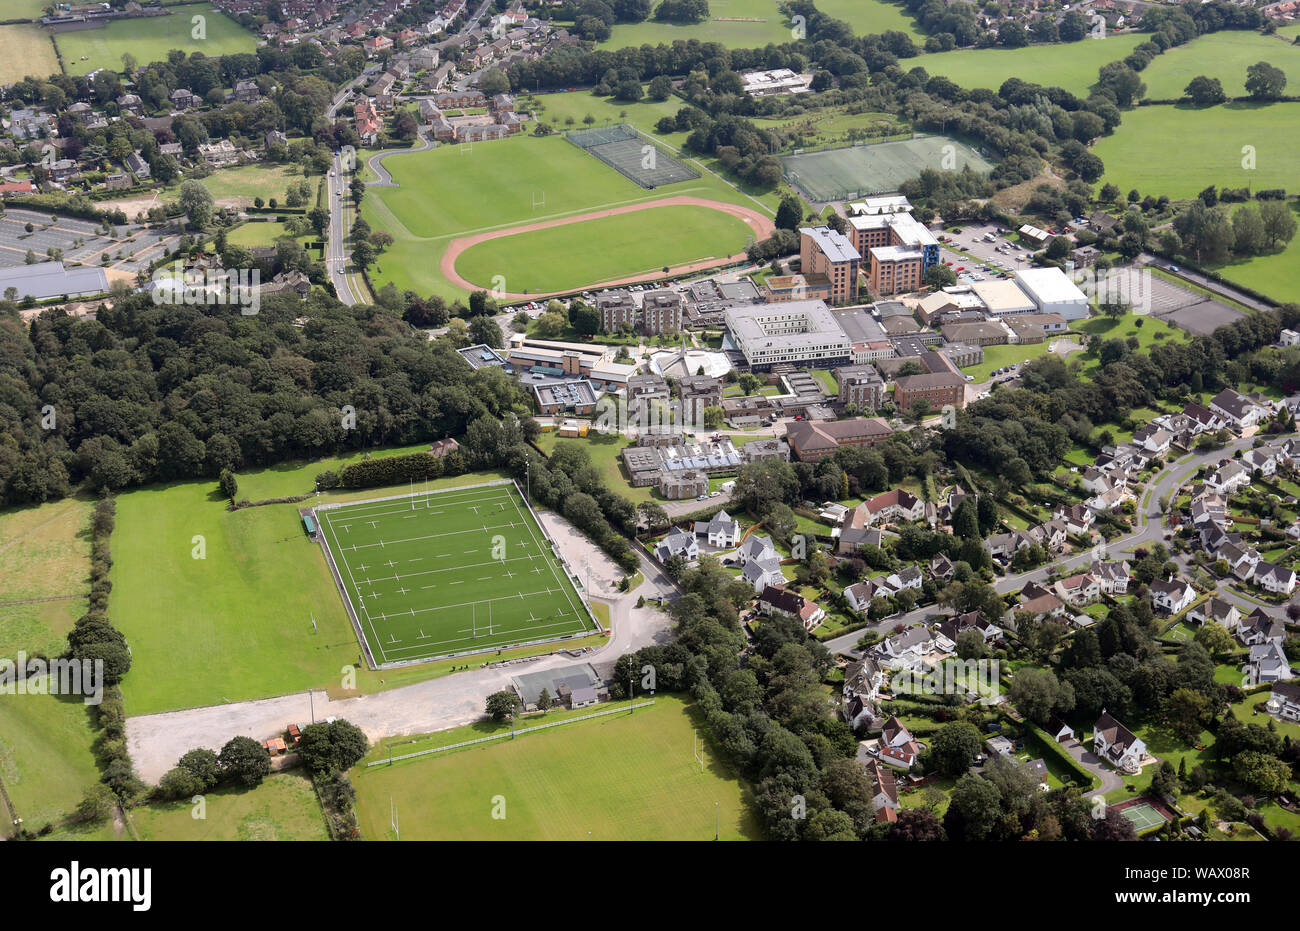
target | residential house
x=905, y=650
x=1112, y=577
x=1172, y=595
x=1284, y=701
x=1280, y=580
x=720, y=530
x=777, y=599
x=1076, y=517
x=677, y=543
x=1239, y=411
x=1267, y=663
x=1258, y=627
x=1116, y=744
x=1080, y=589
x=897, y=747
x=1219, y=611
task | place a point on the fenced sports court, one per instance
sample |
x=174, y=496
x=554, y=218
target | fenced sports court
x=448, y=573
x=636, y=157
x=866, y=170
x=1143, y=814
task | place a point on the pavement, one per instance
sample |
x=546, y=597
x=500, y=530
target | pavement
x=157, y=741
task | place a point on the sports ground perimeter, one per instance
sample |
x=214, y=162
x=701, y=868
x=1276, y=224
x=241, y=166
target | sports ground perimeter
x=433, y=575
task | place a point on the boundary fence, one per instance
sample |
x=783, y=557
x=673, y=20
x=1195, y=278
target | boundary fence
x=527, y=730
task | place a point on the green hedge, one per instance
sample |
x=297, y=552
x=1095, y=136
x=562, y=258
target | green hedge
x=1051, y=748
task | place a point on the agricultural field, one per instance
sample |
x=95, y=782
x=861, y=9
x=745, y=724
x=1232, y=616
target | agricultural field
x=1277, y=275
x=872, y=17
x=1072, y=65
x=149, y=39
x=1224, y=55
x=405, y=593
x=283, y=807
x=22, y=9
x=27, y=51
x=1219, y=133
x=452, y=191
x=562, y=258
x=46, y=761
x=630, y=776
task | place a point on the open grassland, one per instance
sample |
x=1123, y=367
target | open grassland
x=1276, y=274
x=249, y=603
x=734, y=23
x=567, y=257
x=452, y=191
x=872, y=17
x=1206, y=147
x=239, y=186
x=44, y=553
x=1071, y=65
x=46, y=760
x=22, y=9
x=284, y=807
x=1224, y=55
x=558, y=109
x=27, y=51
x=628, y=776
x=149, y=39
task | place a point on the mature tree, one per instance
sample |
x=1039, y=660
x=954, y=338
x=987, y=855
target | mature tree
x=493, y=81
x=331, y=747
x=228, y=484
x=954, y=746
x=503, y=705
x=1264, y=81
x=1205, y=91
x=196, y=203
x=940, y=276
x=1187, y=712
x=1038, y=694
x=203, y=764
x=1261, y=772
x=245, y=760
x=1279, y=222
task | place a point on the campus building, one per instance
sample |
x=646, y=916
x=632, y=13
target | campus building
x=940, y=389
x=898, y=247
x=661, y=312
x=813, y=440
x=823, y=251
x=797, y=333
x=861, y=385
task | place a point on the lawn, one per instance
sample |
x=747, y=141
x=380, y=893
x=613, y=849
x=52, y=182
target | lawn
x=283, y=807
x=1072, y=66
x=1214, y=155
x=452, y=191
x=1276, y=274
x=557, y=109
x=1224, y=55
x=28, y=51
x=561, y=258
x=45, y=757
x=996, y=357
x=604, y=450
x=149, y=39
x=734, y=23
x=1150, y=331
x=256, y=234
x=44, y=554
x=629, y=776
x=239, y=186
x=498, y=583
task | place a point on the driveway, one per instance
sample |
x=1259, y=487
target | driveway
x=1110, y=780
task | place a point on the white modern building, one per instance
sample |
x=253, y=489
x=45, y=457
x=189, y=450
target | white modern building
x=1053, y=293
x=794, y=332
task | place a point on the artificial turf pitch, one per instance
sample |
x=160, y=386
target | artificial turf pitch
x=450, y=572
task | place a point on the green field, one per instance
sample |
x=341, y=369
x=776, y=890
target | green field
x=22, y=9
x=403, y=588
x=835, y=174
x=283, y=807
x=240, y=185
x=149, y=39
x=46, y=760
x=1277, y=274
x=562, y=258
x=622, y=777
x=558, y=109
x=753, y=24
x=996, y=357
x=27, y=51
x=452, y=191
x=872, y=17
x=1224, y=55
x=1217, y=136
x=1072, y=65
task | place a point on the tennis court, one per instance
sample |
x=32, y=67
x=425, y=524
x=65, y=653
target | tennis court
x=636, y=157
x=447, y=573
x=1142, y=814
x=864, y=170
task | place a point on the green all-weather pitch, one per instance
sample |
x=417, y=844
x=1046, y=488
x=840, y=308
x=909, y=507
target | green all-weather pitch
x=439, y=574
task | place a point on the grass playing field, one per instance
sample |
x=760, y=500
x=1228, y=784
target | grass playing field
x=622, y=777
x=453, y=191
x=1071, y=65
x=27, y=51
x=833, y=174
x=698, y=232
x=450, y=572
x=149, y=39
x=1223, y=55
x=1210, y=148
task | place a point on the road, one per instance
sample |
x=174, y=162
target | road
x=157, y=741
x=1149, y=531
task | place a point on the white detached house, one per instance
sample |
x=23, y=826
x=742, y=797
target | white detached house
x=1171, y=596
x=1116, y=744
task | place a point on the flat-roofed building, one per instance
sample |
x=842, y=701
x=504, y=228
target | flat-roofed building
x=661, y=312
x=861, y=385
x=823, y=251
x=565, y=397
x=794, y=333
x=895, y=270
x=698, y=392
x=780, y=289
x=617, y=309
x=1053, y=293
x=900, y=228
x=939, y=389
x=775, y=81
x=1003, y=296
